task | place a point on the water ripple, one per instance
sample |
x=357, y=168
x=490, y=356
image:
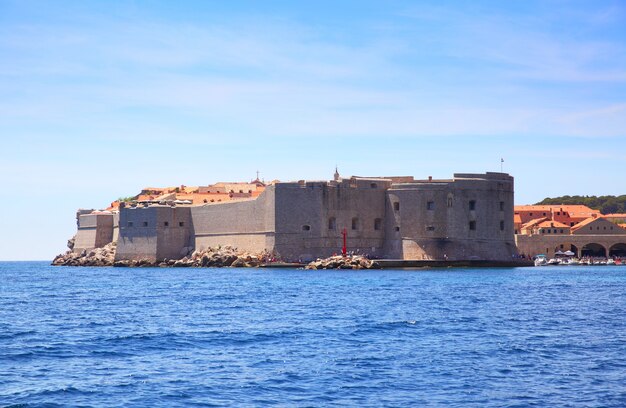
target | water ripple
x=202, y=337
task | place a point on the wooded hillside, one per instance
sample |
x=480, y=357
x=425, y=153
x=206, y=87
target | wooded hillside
x=605, y=204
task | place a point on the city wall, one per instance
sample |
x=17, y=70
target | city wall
x=310, y=217
x=246, y=224
x=154, y=233
x=95, y=230
x=468, y=217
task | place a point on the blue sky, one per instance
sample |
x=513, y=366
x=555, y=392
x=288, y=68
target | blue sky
x=99, y=99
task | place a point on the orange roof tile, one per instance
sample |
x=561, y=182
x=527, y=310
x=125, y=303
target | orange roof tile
x=584, y=222
x=533, y=208
x=534, y=222
x=572, y=210
x=552, y=224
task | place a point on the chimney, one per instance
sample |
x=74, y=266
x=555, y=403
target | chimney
x=430, y=178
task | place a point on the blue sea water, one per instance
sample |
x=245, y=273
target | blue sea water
x=516, y=337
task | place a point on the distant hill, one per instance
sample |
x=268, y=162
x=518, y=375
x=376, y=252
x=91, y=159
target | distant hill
x=605, y=204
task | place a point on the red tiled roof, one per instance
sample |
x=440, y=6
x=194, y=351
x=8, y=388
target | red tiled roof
x=552, y=224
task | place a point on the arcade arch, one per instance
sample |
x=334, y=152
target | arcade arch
x=618, y=250
x=594, y=250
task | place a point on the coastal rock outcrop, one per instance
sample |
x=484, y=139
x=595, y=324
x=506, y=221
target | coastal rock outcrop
x=104, y=256
x=344, y=262
x=213, y=257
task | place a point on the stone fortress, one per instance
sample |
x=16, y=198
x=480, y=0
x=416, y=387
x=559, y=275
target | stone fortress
x=468, y=217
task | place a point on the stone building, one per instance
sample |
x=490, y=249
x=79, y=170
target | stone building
x=95, y=229
x=583, y=231
x=467, y=217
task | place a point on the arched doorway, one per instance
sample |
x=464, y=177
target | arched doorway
x=618, y=250
x=593, y=249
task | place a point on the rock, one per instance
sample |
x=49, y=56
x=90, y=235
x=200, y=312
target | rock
x=238, y=263
x=338, y=262
x=71, y=242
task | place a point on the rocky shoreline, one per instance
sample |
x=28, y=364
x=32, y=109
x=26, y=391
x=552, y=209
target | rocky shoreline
x=211, y=257
x=217, y=257
x=344, y=262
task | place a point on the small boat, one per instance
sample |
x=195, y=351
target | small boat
x=541, y=260
x=569, y=261
x=610, y=261
x=553, y=262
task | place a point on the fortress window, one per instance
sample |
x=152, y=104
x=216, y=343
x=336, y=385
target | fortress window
x=181, y=224
x=373, y=185
x=544, y=214
x=397, y=229
x=130, y=223
x=355, y=223
x=332, y=223
x=378, y=223
x=531, y=214
x=166, y=224
x=501, y=225
x=449, y=201
x=430, y=205
x=306, y=228
x=501, y=205
x=430, y=228
x=472, y=205
x=472, y=225
x=571, y=224
x=396, y=206
x=561, y=231
x=145, y=223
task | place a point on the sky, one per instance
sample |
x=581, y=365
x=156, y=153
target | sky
x=100, y=99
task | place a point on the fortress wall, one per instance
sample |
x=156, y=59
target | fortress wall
x=174, y=237
x=313, y=204
x=94, y=231
x=442, y=229
x=116, y=227
x=144, y=234
x=247, y=225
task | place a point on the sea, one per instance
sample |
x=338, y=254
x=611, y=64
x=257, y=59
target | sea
x=192, y=337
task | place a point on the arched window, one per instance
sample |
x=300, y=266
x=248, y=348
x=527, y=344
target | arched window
x=306, y=228
x=355, y=223
x=332, y=223
x=378, y=224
